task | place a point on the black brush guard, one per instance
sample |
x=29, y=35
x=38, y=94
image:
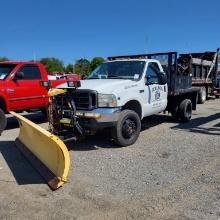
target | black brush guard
x=62, y=118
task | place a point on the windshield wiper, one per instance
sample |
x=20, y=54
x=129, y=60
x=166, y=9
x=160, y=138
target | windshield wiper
x=93, y=78
x=116, y=77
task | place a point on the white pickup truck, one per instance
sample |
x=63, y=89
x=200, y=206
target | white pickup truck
x=121, y=92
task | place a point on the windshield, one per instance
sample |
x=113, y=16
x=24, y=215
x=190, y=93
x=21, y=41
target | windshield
x=5, y=70
x=119, y=70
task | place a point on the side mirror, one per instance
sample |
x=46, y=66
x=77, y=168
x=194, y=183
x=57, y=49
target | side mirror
x=162, y=78
x=19, y=75
x=147, y=80
x=45, y=84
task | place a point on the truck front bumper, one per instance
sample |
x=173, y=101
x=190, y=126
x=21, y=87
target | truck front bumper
x=98, y=118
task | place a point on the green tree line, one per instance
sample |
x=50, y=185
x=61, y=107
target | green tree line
x=81, y=66
x=3, y=59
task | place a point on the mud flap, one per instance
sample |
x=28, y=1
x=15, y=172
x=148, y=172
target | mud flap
x=45, y=151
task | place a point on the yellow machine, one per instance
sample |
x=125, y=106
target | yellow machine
x=44, y=150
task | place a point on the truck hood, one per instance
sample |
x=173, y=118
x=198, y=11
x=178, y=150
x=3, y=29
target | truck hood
x=105, y=85
x=2, y=82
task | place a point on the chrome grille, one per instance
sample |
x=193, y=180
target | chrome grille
x=85, y=99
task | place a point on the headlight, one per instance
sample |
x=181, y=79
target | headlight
x=107, y=100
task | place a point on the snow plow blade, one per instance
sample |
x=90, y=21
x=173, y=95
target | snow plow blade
x=45, y=151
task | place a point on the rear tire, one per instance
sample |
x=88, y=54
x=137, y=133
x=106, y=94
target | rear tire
x=127, y=129
x=44, y=112
x=185, y=110
x=3, y=121
x=202, y=95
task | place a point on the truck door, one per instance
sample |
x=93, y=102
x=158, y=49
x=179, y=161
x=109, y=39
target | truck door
x=26, y=92
x=156, y=94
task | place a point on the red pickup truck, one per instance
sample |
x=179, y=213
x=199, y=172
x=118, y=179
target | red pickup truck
x=21, y=89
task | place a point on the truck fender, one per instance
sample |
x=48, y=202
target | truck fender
x=134, y=105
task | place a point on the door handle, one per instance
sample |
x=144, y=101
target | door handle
x=10, y=90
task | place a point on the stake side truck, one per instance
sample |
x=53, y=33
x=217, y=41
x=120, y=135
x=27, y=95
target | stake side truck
x=121, y=92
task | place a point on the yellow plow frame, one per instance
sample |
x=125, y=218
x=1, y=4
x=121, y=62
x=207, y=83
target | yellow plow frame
x=45, y=151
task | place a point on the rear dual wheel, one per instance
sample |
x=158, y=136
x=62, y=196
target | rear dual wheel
x=183, y=111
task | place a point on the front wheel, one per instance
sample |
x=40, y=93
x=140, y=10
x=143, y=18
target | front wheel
x=128, y=128
x=3, y=121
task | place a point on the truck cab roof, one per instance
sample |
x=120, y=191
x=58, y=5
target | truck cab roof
x=133, y=59
x=20, y=62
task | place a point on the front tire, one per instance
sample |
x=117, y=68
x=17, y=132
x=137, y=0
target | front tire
x=128, y=128
x=3, y=121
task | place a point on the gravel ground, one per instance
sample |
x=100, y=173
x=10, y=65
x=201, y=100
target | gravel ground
x=171, y=173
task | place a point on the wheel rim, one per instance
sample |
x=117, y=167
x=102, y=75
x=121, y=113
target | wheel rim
x=128, y=128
